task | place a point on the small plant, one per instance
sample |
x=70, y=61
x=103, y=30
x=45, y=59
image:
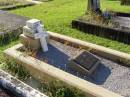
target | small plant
x=99, y=19
x=58, y=89
x=15, y=69
x=54, y=88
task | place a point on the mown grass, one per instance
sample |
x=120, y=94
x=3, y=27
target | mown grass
x=58, y=14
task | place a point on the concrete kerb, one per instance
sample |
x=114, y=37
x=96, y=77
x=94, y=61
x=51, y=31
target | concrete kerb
x=42, y=71
x=108, y=53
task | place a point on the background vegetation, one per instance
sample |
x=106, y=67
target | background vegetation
x=58, y=14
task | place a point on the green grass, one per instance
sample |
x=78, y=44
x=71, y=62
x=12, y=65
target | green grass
x=58, y=14
x=2, y=48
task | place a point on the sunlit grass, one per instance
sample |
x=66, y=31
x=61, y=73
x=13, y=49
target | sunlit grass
x=58, y=14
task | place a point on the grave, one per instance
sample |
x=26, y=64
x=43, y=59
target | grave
x=124, y=22
x=108, y=24
x=11, y=22
x=34, y=36
x=85, y=63
x=53, y=64
x=12, y=87
x=11, y=26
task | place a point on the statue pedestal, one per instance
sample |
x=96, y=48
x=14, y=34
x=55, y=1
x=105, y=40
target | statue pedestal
x=29, y=42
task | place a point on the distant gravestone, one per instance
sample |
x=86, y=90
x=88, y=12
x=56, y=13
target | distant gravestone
x=84, y=63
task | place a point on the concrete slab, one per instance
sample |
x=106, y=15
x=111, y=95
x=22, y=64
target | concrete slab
x=17, y=87
x=124, y=22
x=44, y=71
x=31, y=43
x=10, y=22
x=110, y=74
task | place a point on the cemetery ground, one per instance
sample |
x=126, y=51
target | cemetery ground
x=12, y=4
x=57, y=16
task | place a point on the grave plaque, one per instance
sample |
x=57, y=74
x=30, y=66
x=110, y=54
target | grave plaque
x=85, y=62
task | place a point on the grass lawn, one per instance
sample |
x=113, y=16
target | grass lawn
x=58, y=14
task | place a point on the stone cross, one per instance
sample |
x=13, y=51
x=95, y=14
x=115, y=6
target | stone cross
x=34, y=30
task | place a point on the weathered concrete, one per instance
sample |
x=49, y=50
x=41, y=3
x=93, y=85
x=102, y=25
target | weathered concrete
x=18, y=88
x=10, y=22
x=96, y=49
x=29, y=42
x=43, y=71
x=124, y=22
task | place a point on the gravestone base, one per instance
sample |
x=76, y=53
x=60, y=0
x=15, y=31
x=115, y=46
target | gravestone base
x=30, y=42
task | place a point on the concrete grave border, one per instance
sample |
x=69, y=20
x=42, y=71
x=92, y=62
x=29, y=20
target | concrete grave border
x=102, y=51
x=16, y=86
x=11, y=7
x=43, y=71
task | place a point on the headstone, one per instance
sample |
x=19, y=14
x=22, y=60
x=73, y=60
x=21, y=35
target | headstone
x=85, y=63
x=33, y=23
x=34, y=30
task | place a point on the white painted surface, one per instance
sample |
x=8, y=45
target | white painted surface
x=44, y=44
x=33, y=23
x=34, y=29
